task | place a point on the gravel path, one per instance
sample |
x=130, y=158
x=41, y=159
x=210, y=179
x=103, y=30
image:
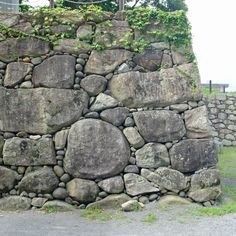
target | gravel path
x=172, y=221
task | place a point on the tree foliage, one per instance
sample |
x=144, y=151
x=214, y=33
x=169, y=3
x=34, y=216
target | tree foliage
x=112, y=5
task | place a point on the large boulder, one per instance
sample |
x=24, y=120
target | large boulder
x=16, y=72
x=7, y=179
x=12, y=48
x=40, y=110
x=113, y=201
x=112, y=185
x=96, y=149
x=105, y=62
x=27, y=152
x=14, y=203
x=136, y=185
x=42, y=180
x=159, y=125
x=110, y=33
x=63, y=67
x=197, y=123
x=193, y=154
x=83, y=191
x=152, y=155
x=156, y=89
x=166, y=178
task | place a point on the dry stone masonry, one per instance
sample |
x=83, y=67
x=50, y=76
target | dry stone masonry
x=222, y=114
x=99, y=128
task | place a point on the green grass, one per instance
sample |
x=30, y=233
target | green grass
x=217, y=211
x=101, y=215
x=150, y=218
x=227, y=163
x=52, y=209
x=206, y=92
x=227, y=166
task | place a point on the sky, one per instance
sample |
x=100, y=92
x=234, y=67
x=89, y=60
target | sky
x=214, y=38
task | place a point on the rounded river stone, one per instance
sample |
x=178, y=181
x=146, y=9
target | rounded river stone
x=96, y=149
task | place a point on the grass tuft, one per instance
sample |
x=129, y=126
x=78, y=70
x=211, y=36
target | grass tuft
x=100, y=215
x=150, y=218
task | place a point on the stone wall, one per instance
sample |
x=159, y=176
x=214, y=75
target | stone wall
x=101, y=127
x=222, y=114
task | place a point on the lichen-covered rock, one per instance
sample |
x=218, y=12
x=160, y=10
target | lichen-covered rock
x=47, y=110
x=113, y=201
x=63, y=68
x=96, y=149
x=155, y=89
x=182, y=55
x=16, y=72
x=152, y=155
x=72, y=46
x=42, y=180
x=105, y=62
x=103, y=101
x=193, y=154
x=14, y=203
x=171, y=200
x=83, y=191
x=111, y=33
x=112, y=185
x=159, y=125
x=206, y=194
x=205, y=178
x=115, y=116
x=136, y=185
x=38, y=201
x=12, y=48
x=27, y=152
x=94, y=84
x=85, y=31
x=197, y=123
x=166, y=178
x=150, y=59
x=7, y=179
x=133, y=137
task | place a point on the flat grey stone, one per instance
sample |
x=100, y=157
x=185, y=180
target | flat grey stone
x=193, y=154
x=63, y=68
x=8, y=179
x=159, y=125
x=94, y=84
x=42, y=180
x=156, y=89
x=83, y=191
x=152, y=155
x=47, y=110
x=105, y=62
x=15, y=203
x=27, y=152
x=15, y=73
x=136, y=185
x=112, y=185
